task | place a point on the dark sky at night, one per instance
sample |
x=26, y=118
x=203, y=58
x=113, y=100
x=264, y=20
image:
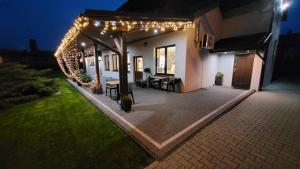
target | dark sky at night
x=45, y=20
x=48, y=20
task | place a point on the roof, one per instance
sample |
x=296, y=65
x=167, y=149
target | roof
x=179, y=7
x=98, y=25
x=240, y=43
x=124, y=15
x=187, y=7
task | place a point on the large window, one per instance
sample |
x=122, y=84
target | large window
x=165, y=60
x=115, y=62
x=106, y=62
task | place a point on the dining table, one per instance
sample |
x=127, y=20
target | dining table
x=159, y=79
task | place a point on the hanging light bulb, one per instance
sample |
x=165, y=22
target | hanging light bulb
x=97, y=24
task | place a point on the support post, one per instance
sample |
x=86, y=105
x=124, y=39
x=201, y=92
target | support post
x=83, y=61
x=120, y=40
x=98, y=86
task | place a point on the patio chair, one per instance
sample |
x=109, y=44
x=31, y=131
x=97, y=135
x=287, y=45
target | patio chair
x=171, y=81
x=155, y=83
x=110, y=88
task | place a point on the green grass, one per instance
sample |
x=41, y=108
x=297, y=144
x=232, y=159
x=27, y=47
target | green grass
x=64, y=131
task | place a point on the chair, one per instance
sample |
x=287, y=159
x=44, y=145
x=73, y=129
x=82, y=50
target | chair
x=130, y=91
x=110, y=88
x=171, y=81
x=168, y=82
x=155, y=83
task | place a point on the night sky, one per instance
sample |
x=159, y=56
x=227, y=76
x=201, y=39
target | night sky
x=44, y=20
x=48, y=20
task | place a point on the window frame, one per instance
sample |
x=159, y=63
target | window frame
x=115, y=69
x=106, y=66
x=166, y=60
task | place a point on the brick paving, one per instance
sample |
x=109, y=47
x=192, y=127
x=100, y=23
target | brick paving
x=159, y=121
x=262, y=132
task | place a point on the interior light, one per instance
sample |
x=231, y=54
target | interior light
x=155, y=31
x=83, y=44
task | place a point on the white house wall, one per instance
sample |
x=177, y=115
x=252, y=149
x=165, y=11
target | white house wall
x=214, y=63
x=114, y=74
x=210, y=69
x=90, y=69
x=146, y=48
x=221, y=62
x=212, y=22
x=254, y=22
x=256, y=73
x=225, y=65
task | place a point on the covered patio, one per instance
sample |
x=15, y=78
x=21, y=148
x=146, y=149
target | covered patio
x=159, y=121
x=113, y=31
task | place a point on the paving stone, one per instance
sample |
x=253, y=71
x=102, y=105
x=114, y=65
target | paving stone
x=262, y=132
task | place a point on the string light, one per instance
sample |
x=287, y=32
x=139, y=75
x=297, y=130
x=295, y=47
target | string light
x=68, y=54
x=105, y=26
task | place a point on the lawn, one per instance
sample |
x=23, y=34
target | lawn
x=64, y=131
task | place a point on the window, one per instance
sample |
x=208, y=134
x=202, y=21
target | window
x=115, y=62
x=106, y=62
x=165, y=60
x=128, y=62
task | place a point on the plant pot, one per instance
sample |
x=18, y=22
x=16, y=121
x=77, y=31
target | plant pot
x=126, y=105
x=97, y=90
x=218, y=81
x=79, y=84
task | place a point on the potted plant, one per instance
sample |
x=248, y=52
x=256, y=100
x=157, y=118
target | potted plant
x=219, y=79
x=126, y=103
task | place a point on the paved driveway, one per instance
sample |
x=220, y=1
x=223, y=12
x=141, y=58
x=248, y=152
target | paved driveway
x=262, y=132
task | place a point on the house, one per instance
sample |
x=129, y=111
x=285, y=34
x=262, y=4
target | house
x=236, y=37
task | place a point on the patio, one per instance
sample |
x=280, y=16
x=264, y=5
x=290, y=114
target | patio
x=160, y=121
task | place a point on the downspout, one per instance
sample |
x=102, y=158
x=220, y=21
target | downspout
x=261, y=81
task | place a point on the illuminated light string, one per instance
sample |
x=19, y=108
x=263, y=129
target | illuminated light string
x=105, y=26
x=70, y=55
x=71, y=60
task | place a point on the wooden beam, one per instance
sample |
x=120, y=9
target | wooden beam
x=99, y=42
x=98, y=85
x=120, y=40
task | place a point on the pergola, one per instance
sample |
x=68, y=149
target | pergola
x=100, y=27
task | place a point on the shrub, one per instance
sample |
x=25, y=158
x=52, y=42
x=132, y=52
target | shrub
x=85, y=78
x=220, y=75
x=125, y=99
x=20, y=84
